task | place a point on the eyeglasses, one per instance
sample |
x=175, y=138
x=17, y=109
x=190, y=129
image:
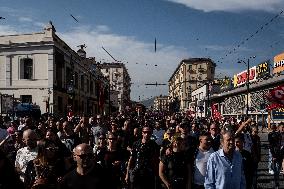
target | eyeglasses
x=85, y=156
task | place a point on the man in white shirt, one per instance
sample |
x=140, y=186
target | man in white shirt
x=201, y=157
x=26, y=154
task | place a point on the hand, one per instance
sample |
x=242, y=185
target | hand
x=126, y=179
x=168, y=185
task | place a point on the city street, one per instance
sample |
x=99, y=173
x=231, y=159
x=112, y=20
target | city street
x=265, y=180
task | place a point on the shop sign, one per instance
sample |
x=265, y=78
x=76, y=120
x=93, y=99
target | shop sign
x=241, y=78
x=263, y=69
x=278, y=114
x=278, y=65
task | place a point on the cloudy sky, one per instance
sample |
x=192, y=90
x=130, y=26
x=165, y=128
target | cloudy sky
x=223, y=30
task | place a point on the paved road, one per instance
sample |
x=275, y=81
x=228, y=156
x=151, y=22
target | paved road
x=265, y=180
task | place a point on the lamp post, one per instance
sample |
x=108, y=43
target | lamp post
x=247, y=81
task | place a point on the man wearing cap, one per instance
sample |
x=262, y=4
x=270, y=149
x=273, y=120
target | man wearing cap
x=143, y=163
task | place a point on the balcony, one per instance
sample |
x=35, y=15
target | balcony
x=201, y=70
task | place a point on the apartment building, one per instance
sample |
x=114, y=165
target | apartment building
x=189, y=75
x=40, y=68
x=120, y=83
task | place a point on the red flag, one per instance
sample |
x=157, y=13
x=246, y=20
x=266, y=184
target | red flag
x=276, y=97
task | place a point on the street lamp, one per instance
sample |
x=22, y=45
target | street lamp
x=247, y=80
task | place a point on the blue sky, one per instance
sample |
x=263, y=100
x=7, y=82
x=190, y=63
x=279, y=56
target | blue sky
x=183, y=29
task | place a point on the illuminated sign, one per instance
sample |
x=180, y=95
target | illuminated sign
x=278, y=114
x=263, y=69
x=241, y=78
x=278, y=65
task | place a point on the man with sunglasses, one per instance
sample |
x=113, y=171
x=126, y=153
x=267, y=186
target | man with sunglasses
x=87, y=173
x=143, y=161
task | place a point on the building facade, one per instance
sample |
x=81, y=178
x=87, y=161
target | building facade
x=161, y=103
x=120, y=82
x=189, y=75
x=42, y=69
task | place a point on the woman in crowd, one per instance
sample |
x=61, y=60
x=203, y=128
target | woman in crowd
x=46, y=169
x=115, y=158
x=173, y=168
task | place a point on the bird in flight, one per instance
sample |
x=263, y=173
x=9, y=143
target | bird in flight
x=74, y=18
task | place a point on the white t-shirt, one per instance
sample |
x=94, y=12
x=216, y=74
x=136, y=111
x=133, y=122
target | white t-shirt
x=201, y=160
x=159, y=135
x=24, y=155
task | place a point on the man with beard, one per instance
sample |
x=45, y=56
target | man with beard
x=87, y=174
x=143, y=161
x=225, y=167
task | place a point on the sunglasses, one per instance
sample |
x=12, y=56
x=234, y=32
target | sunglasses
x=85, y=156
x=52, y=148
x=112, y=138
x=146, y=132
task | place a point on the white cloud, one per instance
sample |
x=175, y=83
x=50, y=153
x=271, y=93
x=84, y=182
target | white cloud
x=128, y=49
x=232, y=5
x=25, y=19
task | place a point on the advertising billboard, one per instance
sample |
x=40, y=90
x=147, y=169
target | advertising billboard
x=263, y=69
x=278, y=114
x=225, y=84
x=278, y=65
x=241, y=78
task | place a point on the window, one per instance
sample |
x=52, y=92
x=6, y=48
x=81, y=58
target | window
x=92, y=87
x=26, y=98
x=76, y=80
x=82, y=82
x=60, y=104
x=88, y=86
x=26, y=69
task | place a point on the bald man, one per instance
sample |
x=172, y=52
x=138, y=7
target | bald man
x=87, y=174
x=26, y=154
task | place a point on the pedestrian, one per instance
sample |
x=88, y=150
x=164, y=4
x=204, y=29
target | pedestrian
x=143, y=162
x=224, y=167
x=99, y=129
x=87, y=173
x=215, y=135
x=83, y=130
x=27, y=153
x=200, y=159
x=9, y=178
x=247, y=159
x=47, y=168
x=256, y=153
x=274, y=140
x=173, y=168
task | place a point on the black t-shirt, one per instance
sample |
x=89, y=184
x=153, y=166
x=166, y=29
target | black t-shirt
x=98, y=178
x=176, y=165
x=274, y=139
x=145, y=155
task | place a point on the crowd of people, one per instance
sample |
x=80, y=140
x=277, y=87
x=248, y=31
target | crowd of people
x=153, y=150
